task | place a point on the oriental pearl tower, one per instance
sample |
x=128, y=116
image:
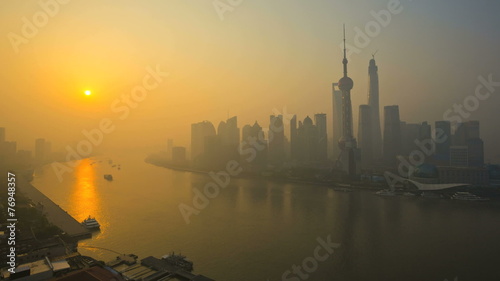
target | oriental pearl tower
x=347, y=142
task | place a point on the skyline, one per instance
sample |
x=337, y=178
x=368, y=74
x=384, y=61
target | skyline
x=211, y=86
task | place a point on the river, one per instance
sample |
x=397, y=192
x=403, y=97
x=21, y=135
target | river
x=258, y=230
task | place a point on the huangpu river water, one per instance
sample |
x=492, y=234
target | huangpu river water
x=262, y=230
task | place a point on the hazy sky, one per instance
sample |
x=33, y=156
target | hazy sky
x=262, y=55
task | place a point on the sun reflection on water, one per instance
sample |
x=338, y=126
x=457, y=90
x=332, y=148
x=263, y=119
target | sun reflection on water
x=84, y=198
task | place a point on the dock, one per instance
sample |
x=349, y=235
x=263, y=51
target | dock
x=153, y=269
x=162, y=266
x=55, y=214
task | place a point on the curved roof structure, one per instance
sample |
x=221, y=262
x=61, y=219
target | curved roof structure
x=391, y=178
x=435, y=186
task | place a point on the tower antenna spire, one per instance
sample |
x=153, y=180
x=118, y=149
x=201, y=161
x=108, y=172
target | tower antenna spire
x=344, y=61
x=373, y=55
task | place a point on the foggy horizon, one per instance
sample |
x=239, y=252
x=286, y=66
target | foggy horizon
x=251, y=62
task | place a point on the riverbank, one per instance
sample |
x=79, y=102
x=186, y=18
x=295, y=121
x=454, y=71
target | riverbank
x=272, y=178
x=55, y=214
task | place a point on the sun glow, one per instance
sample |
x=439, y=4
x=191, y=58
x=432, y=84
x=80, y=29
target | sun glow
x=88, y=93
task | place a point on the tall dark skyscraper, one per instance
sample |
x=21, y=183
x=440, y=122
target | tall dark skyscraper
x=277, y=141
x=392, y=134
x=228, y=138
x=294, y=146
x=365, y=134
x=336, y=119
x=410, y=132
x=199, y=133
x=443, y=132
x=308, y=141
x=347, y=142
x=252, y=134
x=373, y=102
x=320, y=121
x=467, y=134
x=228, y=132
x=425, y=132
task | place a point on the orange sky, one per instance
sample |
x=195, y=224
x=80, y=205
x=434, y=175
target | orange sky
x=262, y=55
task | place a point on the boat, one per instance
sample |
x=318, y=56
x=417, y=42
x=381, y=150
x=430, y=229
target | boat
x=467, y=196
x=385, y=192
x=91, y=223
x=108, y=177
x=179, y=261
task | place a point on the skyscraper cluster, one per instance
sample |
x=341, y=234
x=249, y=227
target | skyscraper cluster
x=10, y=156
x=269, y=147
x=309, y=139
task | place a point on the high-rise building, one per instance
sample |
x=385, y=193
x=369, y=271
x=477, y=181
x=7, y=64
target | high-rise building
x=468, y=134
x=308, y=141
x=472, y=129
x=254, y=135
x=294, y=152
x=425, y=132
x=40, y=150
x=460, y=135
x=199, y=132
x=373, y=102
x=475, y=148
x=228, y=132
x=365, y=136
x=228, y=135
x=276, y=136
x=336, y=119
x=392, y=133
x=443, y=141
x=459, y=156
x=347, y=142
x=410, y=132
x=322, y=150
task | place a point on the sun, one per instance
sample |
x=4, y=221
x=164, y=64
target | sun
x=88, y=93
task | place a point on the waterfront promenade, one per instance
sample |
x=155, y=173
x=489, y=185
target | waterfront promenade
x=55, y=214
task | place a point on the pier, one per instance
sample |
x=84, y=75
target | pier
x=55, y=214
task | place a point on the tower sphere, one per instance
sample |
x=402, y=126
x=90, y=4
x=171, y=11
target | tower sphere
x=345, y=83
